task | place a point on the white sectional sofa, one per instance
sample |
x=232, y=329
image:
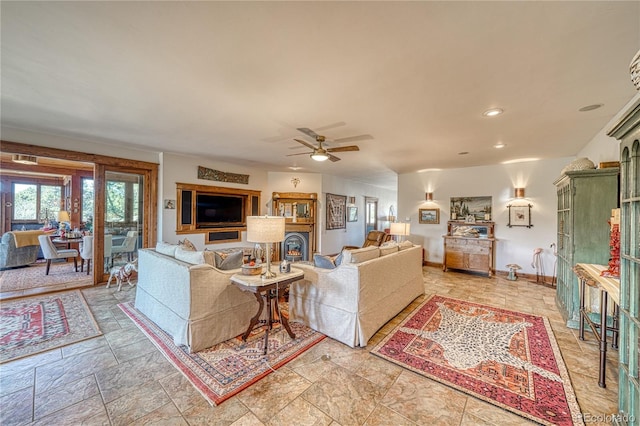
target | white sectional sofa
x=351, y=302
x=197, y=304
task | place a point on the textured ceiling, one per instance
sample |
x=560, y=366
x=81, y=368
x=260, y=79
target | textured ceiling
x=233, y=80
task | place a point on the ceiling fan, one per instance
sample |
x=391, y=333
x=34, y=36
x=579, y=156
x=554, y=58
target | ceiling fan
x=320, y=153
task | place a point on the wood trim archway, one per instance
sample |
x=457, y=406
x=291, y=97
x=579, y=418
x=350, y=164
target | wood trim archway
x=102, y=163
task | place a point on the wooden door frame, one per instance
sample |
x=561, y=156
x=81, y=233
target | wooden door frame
x=102, y=163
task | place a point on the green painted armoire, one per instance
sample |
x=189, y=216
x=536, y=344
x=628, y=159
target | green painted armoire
x=627, y=130
x=585, y=200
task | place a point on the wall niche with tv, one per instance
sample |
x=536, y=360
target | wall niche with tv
x=219, y=213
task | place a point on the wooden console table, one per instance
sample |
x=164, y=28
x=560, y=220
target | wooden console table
x=589, y=274
x=267, y=289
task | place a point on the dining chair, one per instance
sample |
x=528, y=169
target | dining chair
x=50, y=252
x=127, y=247
x=86, y=251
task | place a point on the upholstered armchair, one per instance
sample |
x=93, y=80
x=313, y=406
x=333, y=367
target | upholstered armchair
x=374, y=238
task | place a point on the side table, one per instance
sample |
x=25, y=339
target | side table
x=589, y=274
x=268, y=290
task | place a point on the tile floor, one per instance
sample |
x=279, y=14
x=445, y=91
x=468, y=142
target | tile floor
x=121, y=379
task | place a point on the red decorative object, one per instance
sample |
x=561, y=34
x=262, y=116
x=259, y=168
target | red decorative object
x=614, y=261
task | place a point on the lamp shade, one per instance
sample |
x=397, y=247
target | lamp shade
x=63, y=216
x=265, y=229
x=400, y=228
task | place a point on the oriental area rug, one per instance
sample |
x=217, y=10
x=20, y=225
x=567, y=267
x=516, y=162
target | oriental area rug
x=30, y=325
x=507, y=358
x=33, y=276
x=227, y=368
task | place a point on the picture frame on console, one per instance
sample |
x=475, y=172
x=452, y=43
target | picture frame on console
x=429, y=216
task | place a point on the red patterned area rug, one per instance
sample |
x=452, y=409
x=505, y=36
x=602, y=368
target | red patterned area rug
x=507, y=358
x=229, y=367
x=30, y=325
x=33, y=276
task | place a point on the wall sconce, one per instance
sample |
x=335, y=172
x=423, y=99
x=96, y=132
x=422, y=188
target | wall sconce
x=428, y=196
x=519, y=192
x=295, y=181
x=352, y=200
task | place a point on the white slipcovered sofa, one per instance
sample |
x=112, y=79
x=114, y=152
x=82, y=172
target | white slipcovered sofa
x=354, y=300
x=197, y=304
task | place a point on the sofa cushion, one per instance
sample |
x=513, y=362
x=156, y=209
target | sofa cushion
x=229, y=260
x=166, y=248
x=190, y=256
x=324, y=262
x=391, y=248
x=360, y=255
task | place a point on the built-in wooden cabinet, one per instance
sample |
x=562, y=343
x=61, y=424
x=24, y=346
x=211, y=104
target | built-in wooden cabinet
x=244, y=202
x=585, y=201
x=627, y=130
x=472, y=250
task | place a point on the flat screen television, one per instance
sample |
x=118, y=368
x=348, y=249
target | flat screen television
x=219, y=210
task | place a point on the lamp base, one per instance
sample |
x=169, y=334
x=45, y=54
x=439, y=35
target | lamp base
x=268, y=274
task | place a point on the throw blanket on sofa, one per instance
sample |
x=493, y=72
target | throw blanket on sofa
x=27, y=238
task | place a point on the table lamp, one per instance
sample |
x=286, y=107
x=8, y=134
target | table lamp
x=267, y=230
x=63, y=217
x=401, y=229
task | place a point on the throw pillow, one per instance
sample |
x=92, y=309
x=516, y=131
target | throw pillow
x=405, y=245
x=388, y=249
x=190, y=256
x=187, y=245
x=230, y=261
x=338, y=260
x=323, y=262
x=166, y=248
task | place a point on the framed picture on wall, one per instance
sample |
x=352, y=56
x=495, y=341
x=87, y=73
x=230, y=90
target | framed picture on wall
x=336, y=211
x=429, y=216
x=352, y=214
x=519, y=215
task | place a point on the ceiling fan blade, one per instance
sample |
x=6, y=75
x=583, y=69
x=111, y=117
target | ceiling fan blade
x=299, y=153
x=308, y=132
x=331, y=126
x=344, y=148
x=333, y=158
x=307, y=144
x=353, y=139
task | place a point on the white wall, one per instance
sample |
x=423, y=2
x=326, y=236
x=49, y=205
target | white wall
x=516, y=244
x=331, y=241
x=184, y=169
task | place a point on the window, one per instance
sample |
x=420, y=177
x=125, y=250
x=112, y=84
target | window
x=36, y=202
x=87, y=200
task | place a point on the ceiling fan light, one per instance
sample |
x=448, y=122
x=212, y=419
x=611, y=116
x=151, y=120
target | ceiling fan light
x=319, y=156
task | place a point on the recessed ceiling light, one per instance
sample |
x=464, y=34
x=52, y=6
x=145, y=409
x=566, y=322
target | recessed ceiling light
x=493, y=112
x=463, y=153
x=499, y=145
x=590, y=107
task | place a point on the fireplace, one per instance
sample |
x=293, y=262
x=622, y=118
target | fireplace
x=295, y=246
